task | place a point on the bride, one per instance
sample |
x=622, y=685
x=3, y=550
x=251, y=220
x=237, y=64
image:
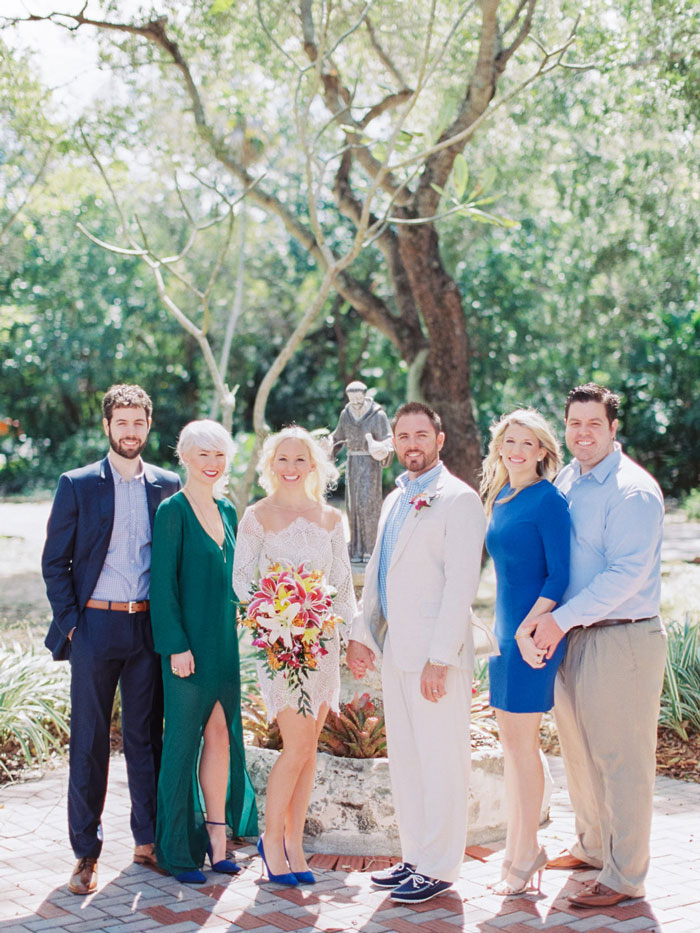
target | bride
x=294, y=523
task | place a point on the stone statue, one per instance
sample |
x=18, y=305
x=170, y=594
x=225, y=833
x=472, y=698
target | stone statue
x=365, y=430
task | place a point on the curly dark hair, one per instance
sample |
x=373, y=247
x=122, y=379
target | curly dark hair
x=125, y=396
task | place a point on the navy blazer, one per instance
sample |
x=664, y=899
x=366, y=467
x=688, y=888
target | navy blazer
x=77, y=540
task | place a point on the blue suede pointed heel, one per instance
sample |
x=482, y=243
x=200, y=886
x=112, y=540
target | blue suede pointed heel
x=287, y=878
x=224, y=866
x=303, y=877
x=190, y=877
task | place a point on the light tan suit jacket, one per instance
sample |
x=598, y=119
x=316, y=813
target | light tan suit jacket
x=431, y=582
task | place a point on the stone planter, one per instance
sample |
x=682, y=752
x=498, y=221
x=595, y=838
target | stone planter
x=352, y=813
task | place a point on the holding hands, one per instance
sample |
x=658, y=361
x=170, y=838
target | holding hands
x=359, y=658
x=538, y=638
x=531, y=654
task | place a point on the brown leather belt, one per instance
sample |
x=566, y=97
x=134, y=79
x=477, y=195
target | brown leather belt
x=130, y=607
x=604, y=623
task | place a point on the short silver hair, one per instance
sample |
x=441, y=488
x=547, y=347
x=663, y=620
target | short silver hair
x=207, y=435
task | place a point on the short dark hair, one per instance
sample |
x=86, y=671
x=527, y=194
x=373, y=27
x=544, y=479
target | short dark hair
x=418, y=408
x=591, y=392
x=125, y=396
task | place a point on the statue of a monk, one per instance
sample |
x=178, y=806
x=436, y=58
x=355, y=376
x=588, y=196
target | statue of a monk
x=364, y=429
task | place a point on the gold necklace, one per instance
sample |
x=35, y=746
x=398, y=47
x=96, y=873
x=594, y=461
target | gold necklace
x=201, y=518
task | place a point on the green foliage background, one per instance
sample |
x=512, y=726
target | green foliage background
x=598, y=281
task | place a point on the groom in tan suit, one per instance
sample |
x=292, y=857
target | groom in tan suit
x=419, y=585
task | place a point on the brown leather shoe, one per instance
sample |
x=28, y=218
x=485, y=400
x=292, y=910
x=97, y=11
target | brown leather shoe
x=568, y=862
x=597, y=895
x=145, y=855
x=84, y=878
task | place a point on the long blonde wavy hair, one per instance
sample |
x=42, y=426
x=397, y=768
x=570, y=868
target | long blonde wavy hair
x=318, y=482
x=494, y=474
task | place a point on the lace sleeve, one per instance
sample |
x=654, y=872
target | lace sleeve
x=340, y=577
x=249, y=542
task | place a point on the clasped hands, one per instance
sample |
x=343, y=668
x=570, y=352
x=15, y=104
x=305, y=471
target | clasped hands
x=360, y=659
x=538, y=639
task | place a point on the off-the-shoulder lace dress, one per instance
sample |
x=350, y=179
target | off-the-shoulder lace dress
x=302, y=541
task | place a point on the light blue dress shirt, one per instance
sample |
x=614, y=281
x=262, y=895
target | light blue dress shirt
x=617, y=513
x=395, y=520
x=126, y=573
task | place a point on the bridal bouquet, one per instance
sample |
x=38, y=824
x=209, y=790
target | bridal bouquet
x=291, y=620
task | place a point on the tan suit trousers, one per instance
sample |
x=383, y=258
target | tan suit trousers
x=606, y=704
x=429, y=762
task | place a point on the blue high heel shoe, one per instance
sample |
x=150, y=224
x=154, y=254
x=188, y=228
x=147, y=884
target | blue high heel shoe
x=190, y=877
x=303, y=877
x=287, y=878
x=224, y=866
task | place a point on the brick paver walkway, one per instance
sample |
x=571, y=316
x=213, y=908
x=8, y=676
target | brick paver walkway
x=35, y=863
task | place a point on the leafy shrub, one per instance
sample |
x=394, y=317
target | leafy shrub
x=34, y=702
x=680, y=697
x=691, y=505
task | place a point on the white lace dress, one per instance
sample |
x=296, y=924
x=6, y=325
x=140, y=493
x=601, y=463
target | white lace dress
x=306, y=542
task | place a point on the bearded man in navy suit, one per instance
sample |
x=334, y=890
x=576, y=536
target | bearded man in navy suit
x=96, y=566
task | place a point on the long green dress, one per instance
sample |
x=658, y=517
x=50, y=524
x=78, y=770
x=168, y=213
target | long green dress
x=193, y=607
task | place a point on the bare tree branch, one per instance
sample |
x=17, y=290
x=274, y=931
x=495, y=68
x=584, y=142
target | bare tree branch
x=388, y=103
x=522, y=34
x=515, y=17
x=383, y=56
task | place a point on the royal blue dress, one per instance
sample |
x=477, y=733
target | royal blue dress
x=529, y=541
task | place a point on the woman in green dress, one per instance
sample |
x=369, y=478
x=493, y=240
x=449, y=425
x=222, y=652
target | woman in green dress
x=203, y=784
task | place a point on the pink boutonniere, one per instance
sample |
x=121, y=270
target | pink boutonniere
x=422, y=501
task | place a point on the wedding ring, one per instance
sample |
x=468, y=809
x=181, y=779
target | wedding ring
x=174, y=670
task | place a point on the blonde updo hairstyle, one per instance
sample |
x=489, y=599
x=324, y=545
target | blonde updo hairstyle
x=494, y=474
x=323, y=477
x=206, y=435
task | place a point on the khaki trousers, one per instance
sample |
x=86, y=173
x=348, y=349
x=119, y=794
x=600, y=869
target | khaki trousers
x=429, y=762
x=606, y=705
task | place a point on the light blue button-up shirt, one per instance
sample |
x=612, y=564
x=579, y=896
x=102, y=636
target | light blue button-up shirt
x=617, y=512
x=395, y=520
x=126, y=573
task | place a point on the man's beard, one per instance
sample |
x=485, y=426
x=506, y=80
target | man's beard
x=420, y=462
x=129, y=453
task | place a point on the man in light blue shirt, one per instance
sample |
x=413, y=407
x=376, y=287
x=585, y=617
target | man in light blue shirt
x=608, y=688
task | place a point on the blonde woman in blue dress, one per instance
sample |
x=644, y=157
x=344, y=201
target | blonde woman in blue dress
x=294, y=523
x=528, y=538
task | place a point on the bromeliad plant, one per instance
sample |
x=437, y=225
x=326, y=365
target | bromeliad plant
x=356, y=730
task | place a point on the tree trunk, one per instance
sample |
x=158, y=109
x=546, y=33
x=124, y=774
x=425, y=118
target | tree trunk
x=445, y=380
